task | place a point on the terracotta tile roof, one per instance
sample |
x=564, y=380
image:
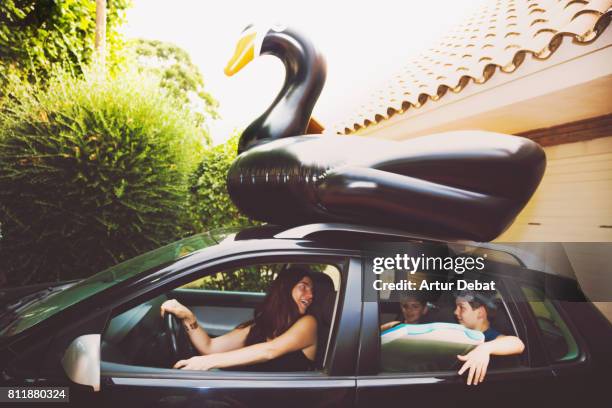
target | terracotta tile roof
x=496, y=38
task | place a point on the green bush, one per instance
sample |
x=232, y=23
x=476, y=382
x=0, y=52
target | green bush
x=92, y=172
x=209, y=203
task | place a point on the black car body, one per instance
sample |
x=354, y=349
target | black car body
x=566, y=360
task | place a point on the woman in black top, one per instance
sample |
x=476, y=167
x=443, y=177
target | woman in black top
x=281, y=336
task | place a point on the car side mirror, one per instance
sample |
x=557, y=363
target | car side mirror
x=81, y=360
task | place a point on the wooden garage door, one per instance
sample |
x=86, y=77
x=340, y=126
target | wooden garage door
x=574, y=200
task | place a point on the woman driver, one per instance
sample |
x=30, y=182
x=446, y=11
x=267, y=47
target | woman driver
x=281, y=336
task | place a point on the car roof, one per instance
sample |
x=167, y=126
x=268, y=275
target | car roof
x=318, y=231
x=351, y=236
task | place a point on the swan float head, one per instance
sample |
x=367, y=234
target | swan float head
x=305, y=69
x=248, y=48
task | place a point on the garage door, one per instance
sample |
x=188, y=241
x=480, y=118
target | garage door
x=574, y=200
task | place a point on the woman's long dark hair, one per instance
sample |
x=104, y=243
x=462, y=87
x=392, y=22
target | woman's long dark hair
x=278, y=311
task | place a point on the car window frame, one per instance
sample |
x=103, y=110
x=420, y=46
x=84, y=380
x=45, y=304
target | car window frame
x=226, y=263
x=530, y=318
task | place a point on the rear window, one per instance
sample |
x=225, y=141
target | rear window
x=422, y=331
x=558, y=340
x=491, y=254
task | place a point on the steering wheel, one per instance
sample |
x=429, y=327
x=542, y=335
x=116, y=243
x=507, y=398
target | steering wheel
x=177, y=339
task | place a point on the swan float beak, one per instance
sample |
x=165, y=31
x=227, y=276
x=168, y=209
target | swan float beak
x=246, y=51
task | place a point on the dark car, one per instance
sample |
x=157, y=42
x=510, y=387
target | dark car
x=104, y=338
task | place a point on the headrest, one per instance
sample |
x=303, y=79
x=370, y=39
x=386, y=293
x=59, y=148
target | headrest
x=474, y=296
x=324, y=297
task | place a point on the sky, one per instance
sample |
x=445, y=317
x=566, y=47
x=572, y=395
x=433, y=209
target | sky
x=364, y=42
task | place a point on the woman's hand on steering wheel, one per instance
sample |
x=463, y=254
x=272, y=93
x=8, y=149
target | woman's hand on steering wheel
x=178, y=310
x=176, y=316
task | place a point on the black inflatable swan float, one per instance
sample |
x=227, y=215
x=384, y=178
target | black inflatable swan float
x=466, y=185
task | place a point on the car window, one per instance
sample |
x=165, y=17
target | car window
x=34, y=313
x=557, y=338
x=422, y=331
x=221, y=302
x=496, y=255
x=254, y=278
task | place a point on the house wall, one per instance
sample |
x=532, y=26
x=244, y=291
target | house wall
x=574, y=200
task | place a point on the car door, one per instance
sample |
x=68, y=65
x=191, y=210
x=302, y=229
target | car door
x=575, y=336
x=528, y=383
x=334, y=385
x=218, y=311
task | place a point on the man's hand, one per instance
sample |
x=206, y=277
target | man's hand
x=477, y=362
x=203, y=363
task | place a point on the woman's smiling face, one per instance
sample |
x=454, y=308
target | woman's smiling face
x=302, y=294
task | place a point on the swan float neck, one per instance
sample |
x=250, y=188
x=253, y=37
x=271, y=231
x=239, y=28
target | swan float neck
x=305, y=69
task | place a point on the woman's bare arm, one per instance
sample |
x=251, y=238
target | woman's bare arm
x=301, y=335
x=202, y=342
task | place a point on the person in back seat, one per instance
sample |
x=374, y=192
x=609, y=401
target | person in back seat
x=413, y=309
x=474, y=310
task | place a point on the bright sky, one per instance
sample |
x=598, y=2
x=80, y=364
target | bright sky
x=364, y=42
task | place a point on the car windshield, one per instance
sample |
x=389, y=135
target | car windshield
x=41, y=308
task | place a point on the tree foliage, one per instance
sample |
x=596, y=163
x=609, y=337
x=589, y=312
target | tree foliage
x=37, y=36
x=256, y=278
x=96, y=170
x=177, y=73
x=92, y=172
x=209, y=203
